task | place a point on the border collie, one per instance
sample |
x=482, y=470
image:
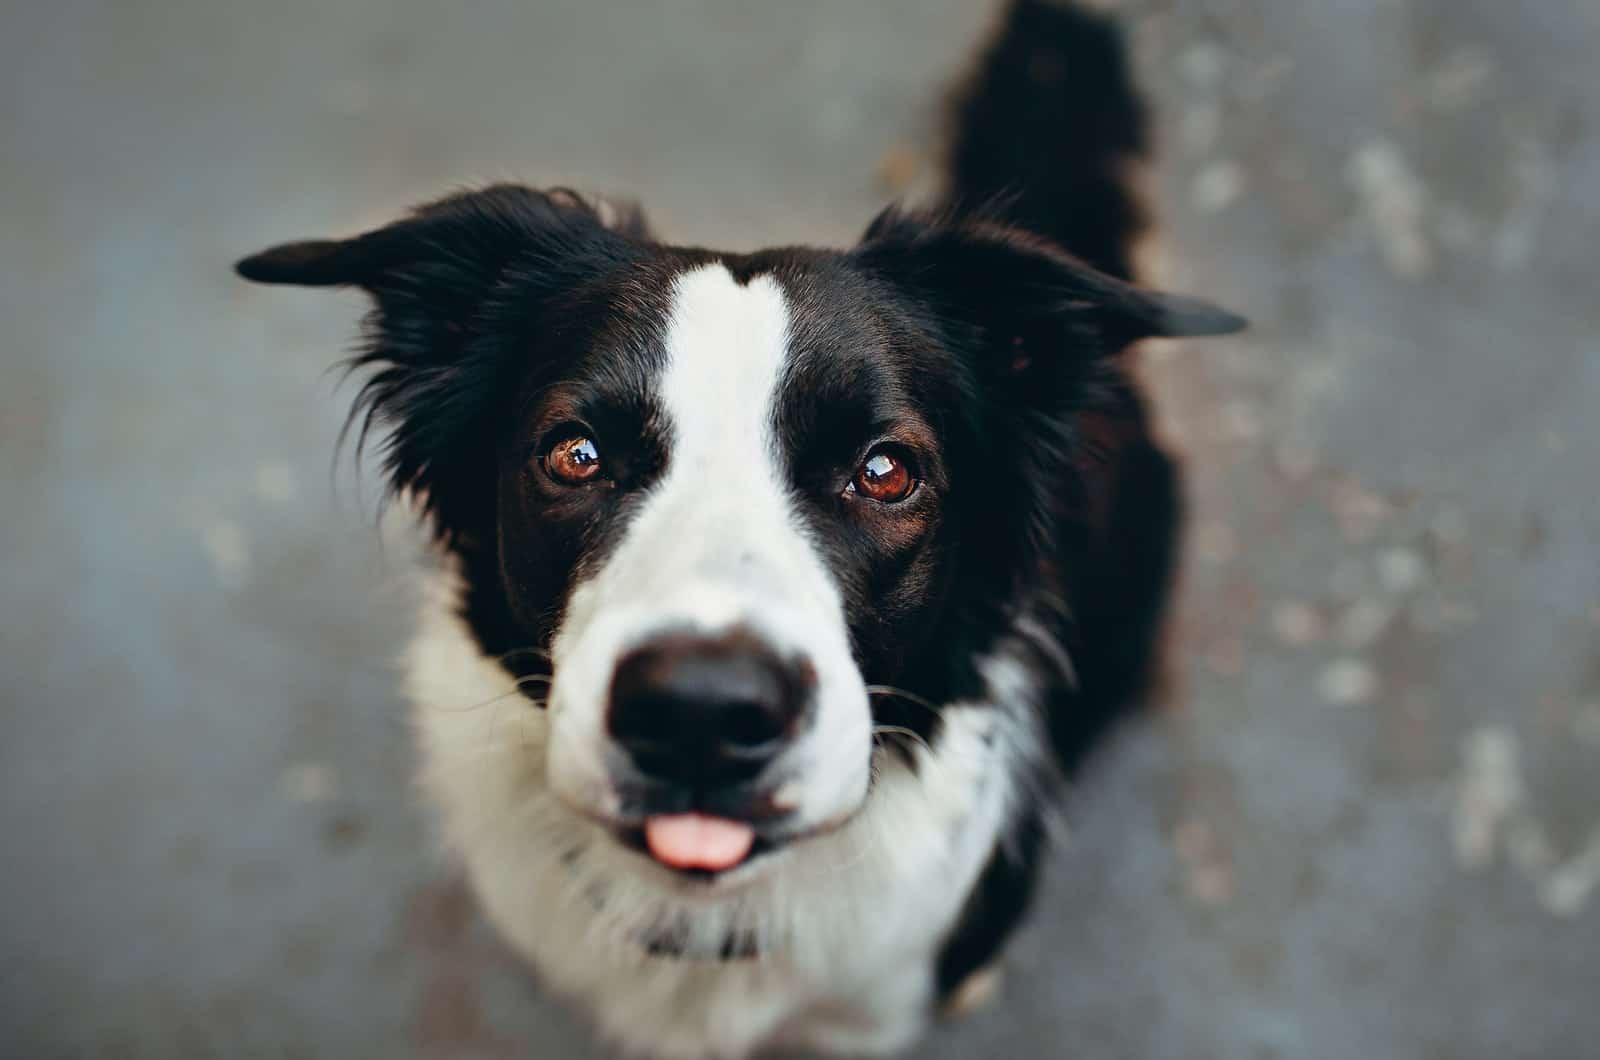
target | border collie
x=811, y=573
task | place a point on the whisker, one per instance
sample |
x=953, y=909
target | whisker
x=939, y=758
x=902, y=731
x=529, y=650
x=481, y=704
x=900, y=693
x=519, y=690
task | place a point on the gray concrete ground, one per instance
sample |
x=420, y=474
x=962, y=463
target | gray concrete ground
x=1366, y=825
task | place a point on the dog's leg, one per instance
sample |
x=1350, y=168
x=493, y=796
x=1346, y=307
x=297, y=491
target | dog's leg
x=976, y=991
x=967, y=972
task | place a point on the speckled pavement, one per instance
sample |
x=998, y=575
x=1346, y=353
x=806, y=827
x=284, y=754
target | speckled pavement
x=1367, y=821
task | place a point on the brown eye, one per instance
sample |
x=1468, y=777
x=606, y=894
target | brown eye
x=883, y=477
x=574, y=460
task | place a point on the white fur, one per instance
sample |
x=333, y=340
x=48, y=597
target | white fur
x=716, y=545
x=847, y=923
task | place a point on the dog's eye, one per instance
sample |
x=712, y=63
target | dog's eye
x=574, y=460
x=883, y=477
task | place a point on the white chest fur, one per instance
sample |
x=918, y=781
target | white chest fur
x=847, y=925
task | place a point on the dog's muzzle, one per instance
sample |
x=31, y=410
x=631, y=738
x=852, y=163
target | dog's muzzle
x=701, y=725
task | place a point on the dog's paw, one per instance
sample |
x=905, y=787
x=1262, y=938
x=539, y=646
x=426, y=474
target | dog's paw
x=976, y=991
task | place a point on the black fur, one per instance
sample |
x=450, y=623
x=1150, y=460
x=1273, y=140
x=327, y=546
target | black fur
x=979, y=339
x=1047, y=130
x=1045, y=137
x=994, y=909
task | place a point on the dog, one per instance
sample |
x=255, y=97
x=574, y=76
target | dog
x=811, y=574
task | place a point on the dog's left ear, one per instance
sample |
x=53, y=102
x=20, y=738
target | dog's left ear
x=465, y=289
x=460, y=240
x=1023, y=295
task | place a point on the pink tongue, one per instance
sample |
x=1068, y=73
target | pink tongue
x=694, y=841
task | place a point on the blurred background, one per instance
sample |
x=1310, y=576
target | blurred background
x=1367, y=822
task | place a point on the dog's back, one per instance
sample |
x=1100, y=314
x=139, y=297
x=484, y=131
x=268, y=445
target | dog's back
x=1047, y=134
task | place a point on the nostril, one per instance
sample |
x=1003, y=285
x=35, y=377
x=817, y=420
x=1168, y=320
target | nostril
x=748, y=726
x=643, y=718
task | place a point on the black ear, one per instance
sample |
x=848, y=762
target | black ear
x=478, y=231
x=457, y=284
x=313, y=263
x=1024, y=293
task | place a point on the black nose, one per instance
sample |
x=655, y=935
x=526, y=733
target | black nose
x=705, y=712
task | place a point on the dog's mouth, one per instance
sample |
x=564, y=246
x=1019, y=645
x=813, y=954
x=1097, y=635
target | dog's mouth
x=704, y=848
x=697, y=845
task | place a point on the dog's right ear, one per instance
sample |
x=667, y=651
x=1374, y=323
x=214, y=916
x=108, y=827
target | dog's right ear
x=437, y=334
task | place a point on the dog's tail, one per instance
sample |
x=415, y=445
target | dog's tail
x=1047, y=133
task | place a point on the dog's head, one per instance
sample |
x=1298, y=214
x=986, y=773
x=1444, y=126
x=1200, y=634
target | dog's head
x=728, y=496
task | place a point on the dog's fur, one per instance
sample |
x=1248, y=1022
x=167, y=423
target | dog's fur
x=963, y=649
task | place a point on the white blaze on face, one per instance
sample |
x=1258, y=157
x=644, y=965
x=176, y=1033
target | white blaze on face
x=716, y=544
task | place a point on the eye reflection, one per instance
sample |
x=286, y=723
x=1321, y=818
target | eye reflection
x=573, y=460
x=883, y=477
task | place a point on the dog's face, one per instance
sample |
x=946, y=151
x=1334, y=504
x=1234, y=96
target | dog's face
x=715, y=501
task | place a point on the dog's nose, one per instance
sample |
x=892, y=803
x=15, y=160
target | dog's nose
x=706, y=712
